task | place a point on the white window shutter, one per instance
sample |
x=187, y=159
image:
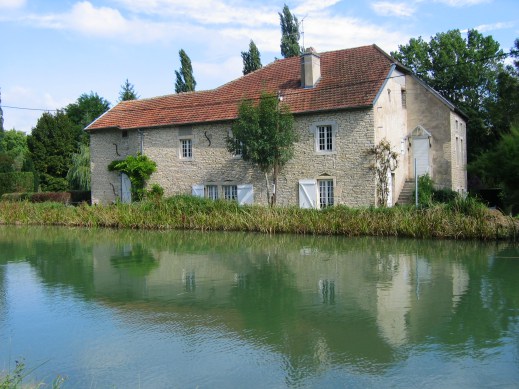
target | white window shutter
x=197, y=190
x=308, y=193
x=245, y=194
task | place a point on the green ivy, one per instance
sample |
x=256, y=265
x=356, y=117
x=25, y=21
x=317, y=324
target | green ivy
x=138, y=169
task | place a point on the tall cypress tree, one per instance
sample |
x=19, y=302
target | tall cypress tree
x=251, y=59
x=289, y=34
x=1, y=116
x=185, y=79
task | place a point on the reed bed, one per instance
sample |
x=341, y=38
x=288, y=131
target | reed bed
x=456, y=220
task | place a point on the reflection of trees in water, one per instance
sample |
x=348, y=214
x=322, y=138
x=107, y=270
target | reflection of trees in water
x=273, y=309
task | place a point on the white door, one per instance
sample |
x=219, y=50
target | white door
x=307, y=193
x=421, y=154
x=126, y=189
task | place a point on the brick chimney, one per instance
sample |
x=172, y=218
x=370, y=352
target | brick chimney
x=310, y=68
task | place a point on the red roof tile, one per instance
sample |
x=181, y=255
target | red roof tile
x=350, y=78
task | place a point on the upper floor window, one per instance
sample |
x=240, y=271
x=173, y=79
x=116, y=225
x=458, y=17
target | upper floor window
x=325, y=134
x=186, y=148
x=238, y=146
x=325, y=138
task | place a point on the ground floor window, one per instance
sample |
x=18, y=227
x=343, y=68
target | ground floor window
x=230, y=192
x=242, y=193
x=211, y=192
x=325, y=193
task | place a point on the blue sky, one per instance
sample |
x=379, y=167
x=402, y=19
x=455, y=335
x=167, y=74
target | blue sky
x=53, y=51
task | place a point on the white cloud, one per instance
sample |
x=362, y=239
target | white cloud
x=332, y=33
x=462, y=3
x=205, y=11
x=210, y=73
x=11, y=4
x=386, y=8
x=310, y=6
x=495, y=26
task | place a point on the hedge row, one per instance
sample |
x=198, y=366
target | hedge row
x=16, y=182
x=71, y=197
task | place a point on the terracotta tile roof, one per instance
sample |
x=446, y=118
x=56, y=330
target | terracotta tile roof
x=350, y=78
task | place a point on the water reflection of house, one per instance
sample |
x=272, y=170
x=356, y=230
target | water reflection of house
x=330, y=303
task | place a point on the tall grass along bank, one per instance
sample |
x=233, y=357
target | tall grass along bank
x=459, y=219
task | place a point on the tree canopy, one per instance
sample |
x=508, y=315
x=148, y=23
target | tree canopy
x=185, y=80
x=264, y=135
x=51, y=144
x=127, y=92
x=289, y=33
x=86, y=109
x=78, y=174
x=251, y=59
x=463, y=70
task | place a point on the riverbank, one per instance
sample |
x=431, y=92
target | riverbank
x=458, y=220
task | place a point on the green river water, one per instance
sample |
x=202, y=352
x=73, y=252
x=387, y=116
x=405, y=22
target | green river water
x=143, y=309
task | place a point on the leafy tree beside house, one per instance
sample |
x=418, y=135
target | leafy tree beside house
x=87, y=108
x=264, y=135
x=185, y=80
x=251, y=59
x=52, y=142
x=289, y=33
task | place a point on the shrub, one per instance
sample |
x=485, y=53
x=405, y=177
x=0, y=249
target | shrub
x=469, y=206
x=443, y=195
x=56, y=197
x=156, y=192
x=425, y=190
x=16, y=196
x=138, y=169
x=16, y=182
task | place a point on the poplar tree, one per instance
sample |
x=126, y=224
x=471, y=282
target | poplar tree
x=185, y=79
x=127, y=92
x=289, y=34
x=251, y=59
x=1, y=116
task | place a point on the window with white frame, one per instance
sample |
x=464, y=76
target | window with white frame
x=325, y=138
x=325, y=134
x=243, y=193
x=211, y=192
x=238, y=151
x=230, y=192
x=186, y=148
x=325, y=193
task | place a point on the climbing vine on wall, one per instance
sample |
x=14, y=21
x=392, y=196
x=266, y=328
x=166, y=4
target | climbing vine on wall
x=138, y=169
x=385, y=162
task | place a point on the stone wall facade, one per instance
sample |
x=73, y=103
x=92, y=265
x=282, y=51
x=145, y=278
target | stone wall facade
x=211, y=164
x=448, y=158
x=401, y=106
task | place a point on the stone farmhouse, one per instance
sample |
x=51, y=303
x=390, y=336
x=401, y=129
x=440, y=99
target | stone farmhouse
x=344, y=102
